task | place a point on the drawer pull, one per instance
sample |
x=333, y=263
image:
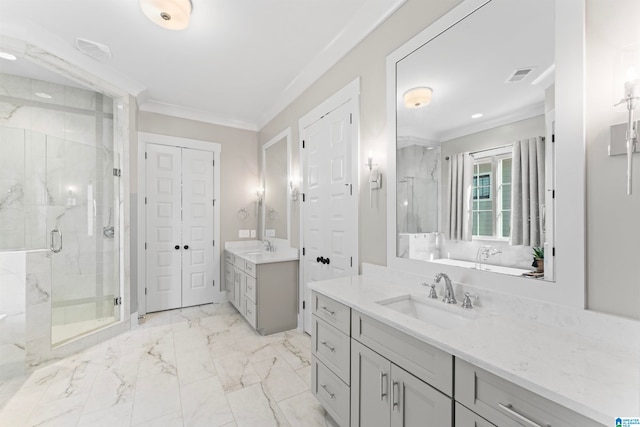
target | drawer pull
x=383, y=394
x=394, y=395
x=331, y=349
x=331, y=395
x=508, y=409
x=331, y=313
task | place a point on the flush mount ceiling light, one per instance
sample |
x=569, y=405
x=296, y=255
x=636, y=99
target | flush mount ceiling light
x=477, y=115
x=170, y=14
x=417, y=97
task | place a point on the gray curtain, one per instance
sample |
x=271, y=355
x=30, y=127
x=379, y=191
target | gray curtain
x=528, y=188
x=458, y=221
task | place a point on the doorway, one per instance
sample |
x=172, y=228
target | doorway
x=179, y=262
x=329, y=217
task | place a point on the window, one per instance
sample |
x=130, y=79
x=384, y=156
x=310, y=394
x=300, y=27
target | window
x=491, y=207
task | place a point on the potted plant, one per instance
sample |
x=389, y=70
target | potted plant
x=538, y=259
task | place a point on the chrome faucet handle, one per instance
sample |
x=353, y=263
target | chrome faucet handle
x=466, y=301
x=432, y=293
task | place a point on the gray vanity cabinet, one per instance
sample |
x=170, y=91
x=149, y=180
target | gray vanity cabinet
x=383, y=394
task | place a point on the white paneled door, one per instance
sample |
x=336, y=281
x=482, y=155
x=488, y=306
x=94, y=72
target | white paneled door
x=330, y=230
x=179, y=227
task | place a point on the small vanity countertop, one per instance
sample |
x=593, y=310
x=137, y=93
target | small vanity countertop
x=587, y=374
x=253, y=250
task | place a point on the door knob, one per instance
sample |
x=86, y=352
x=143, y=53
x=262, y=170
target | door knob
x=327, y=261
x=177, y=247
x=186, y=246
x=318, y=259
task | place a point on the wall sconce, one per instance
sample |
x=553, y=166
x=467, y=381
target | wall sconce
x=417, y=97
x=375, y=178
x=169, y=14
x=294, y=191
x=628, y=132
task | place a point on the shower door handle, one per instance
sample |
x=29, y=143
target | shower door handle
x=52, y=244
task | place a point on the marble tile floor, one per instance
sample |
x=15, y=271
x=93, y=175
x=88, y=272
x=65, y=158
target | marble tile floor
x=200, y=366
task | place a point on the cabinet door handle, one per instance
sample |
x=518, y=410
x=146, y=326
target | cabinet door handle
x=331, y=395
x=383, y=394
x=508, y=409
x=395, y=396
x=331, y=349
x=331, y=313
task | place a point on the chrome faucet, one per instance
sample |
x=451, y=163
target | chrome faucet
x=449, y=296
x=268, y=245
x=483, y=254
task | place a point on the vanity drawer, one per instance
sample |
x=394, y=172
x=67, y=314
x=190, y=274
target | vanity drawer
x=250, y=288
x=251, y=313
x=431, y=365
x=228, y=272
x=228, y=257
x=334, y=313
x=331, y=392
x=506, y=404
x=250, y=268
x=467, y=418
x=238, y=262
x=332, y=347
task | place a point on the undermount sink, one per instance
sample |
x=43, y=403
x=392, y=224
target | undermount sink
x=434, y=312
x=254, y=253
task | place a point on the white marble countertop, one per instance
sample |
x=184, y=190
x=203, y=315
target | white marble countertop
x=253, y=250
x=580, y=369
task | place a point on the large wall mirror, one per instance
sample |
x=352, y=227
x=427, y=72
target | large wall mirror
x=276, y=204
x=475, y=165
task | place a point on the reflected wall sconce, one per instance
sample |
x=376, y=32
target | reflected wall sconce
x=624, y=137
x=259, y=194
x=417, y=97
x=375, y=178
x=294, y=191
x=169, y=14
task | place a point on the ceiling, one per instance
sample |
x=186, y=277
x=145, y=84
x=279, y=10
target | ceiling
x=239, y=63
x=468, y=65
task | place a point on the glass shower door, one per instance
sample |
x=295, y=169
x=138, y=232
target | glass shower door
x=83, y=222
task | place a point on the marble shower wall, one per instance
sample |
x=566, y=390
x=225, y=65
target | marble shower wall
x=418, y=189
x=56, y=162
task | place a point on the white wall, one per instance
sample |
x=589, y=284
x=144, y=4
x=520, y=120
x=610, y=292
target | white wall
x=613, y=218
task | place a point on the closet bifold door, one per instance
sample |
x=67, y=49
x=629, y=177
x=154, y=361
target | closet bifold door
x=197, y=227
x=163, y=227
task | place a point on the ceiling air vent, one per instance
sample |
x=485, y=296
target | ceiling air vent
x=519, y=74
x=93, y=49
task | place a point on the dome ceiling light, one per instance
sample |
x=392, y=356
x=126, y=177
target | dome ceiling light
x=417, y=97
x=169, y=14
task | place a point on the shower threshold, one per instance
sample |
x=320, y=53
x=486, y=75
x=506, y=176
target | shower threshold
x=69, y=331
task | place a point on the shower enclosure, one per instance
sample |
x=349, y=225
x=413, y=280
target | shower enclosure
x=59, y=208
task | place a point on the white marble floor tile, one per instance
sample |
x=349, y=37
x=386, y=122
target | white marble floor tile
x=235, y=372
x=279, y=378
x=170, y=420
x=204, y=403
x=200, y=366
x=253, y=407
x=155, y=395
x=303, y=410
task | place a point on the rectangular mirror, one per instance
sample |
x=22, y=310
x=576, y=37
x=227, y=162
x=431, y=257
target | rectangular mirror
x=474, y=152
x=276, y=201
x=552, y=109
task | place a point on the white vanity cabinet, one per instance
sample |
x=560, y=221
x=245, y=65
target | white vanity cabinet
x=266, y=294
x=506, y=404
x=393, y=378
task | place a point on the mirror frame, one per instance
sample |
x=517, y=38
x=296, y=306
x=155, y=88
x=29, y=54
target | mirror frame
x=570, y=285
x=286, y=135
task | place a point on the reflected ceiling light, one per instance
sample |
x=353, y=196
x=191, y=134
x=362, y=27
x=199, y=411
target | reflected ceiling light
x=8, y=56
x=477, y=116
x=43, y=95
x=169, y=14
x=417, y=97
